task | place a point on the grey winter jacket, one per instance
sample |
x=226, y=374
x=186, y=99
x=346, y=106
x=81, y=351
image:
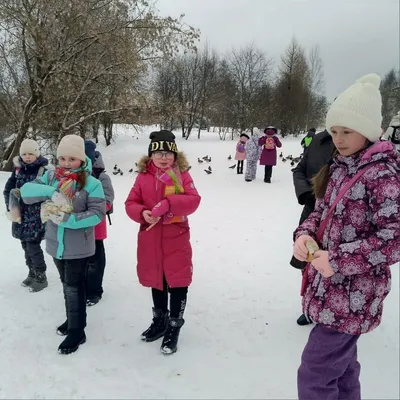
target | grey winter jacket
x=73, y=238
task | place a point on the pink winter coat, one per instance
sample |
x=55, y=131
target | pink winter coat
x=164, y=249
x=363, y=241
x=241, y=145
x=269, y=156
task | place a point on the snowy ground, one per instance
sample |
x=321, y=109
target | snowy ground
x=240, y=339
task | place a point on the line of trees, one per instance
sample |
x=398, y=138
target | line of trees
x=80, y=66
x=241, y=90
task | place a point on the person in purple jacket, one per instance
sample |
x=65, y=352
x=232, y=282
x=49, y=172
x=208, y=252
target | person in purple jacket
x=269, y=143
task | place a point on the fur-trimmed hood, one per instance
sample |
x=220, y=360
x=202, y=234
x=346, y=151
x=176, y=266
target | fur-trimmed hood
x=181, y=162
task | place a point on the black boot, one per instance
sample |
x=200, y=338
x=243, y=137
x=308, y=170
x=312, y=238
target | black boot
x=303, y=320
x=62, y=330
x=39, y=283
x=71, y=343
x=157, y=327
x=29, y=279
x=170, y=342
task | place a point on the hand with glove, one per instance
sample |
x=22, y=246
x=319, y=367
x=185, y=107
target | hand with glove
x=321, y=263
x=308, y=200
x=160, y=208
x=57, y=218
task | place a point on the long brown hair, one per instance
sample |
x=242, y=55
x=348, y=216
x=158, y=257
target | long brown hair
x=82, y=179
x=321, y=179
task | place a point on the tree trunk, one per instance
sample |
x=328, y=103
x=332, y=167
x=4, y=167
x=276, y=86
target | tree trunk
x=95, y=130
x=108, y=132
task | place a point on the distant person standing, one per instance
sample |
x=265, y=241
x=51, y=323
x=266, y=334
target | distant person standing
x=269, y=142
x=393, y=131
x=241, y=152
x=305, y=143
x=253, y=153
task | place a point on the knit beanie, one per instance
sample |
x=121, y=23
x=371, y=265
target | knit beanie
x=72, y=146
x=29, y=146
x=90, y=150
x=270, y=130
x=162, y=141
x=359, y=108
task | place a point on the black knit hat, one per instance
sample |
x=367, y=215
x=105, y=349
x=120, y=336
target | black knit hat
x=162, y=141
x=244, y=135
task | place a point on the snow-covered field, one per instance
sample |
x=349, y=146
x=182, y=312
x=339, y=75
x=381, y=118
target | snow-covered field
x=240, y=339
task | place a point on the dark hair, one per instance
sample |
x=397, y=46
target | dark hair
x=82, y=179
x=321, y=179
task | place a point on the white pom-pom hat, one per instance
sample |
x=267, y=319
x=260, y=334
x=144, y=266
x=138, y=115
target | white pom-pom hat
x=359, y=108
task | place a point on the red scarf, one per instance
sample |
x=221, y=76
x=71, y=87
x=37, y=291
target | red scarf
x=67, y=181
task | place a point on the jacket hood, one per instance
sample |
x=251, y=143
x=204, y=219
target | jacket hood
x=98, y=162
x=383, y=151
x=40, y=162
x=181, y=163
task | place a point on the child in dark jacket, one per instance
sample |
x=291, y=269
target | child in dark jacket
x=30, y=165
x=97, y=263
x=356, y=225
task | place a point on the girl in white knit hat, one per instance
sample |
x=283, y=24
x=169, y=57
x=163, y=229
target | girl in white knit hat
x=77, y=204
x=27, y=225
x=350, y=241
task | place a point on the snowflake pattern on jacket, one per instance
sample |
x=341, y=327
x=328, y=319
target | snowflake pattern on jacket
x=363, y=240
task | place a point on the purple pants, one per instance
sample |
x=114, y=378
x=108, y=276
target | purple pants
x=329, y=368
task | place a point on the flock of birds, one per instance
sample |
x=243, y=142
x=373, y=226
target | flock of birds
x=207, y=159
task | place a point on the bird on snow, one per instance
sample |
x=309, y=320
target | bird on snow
x=115, y=172
x=281, y=155
x=207, y=172
x=189, y=167
x=131, y=170
x=115, y=167
x=205, y=158
x=208, y=159
x=229, y=158
x=232, y=166
x=292, y=163
x=209, y=168
x=200, y=161
x=284, y=159
x=121, y=173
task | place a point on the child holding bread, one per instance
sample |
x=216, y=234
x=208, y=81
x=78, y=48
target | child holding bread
x=73, y=204
x=352, y=237
x=161, y=199
x=27, y=225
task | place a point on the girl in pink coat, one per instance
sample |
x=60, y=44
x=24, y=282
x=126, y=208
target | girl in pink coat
x=162, y=198
x=240, y=155
x=356, y=224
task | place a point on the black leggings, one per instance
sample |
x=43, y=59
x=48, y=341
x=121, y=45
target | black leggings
x=178, y=298
x=240, y=167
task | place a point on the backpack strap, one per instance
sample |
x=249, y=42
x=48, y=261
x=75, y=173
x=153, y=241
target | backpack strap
x=343, y=191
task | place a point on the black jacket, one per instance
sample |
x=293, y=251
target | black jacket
x=316, y=156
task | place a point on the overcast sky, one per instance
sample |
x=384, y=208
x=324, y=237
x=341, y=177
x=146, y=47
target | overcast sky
x=355, y=36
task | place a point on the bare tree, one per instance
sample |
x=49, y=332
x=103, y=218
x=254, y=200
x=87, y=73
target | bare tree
x=249, y=70
x=76, y=54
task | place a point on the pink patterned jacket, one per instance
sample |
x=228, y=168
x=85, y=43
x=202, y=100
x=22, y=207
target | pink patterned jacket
x=363, y=240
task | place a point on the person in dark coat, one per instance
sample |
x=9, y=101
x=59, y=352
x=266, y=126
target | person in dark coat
x=30, y=165
x=315, y=157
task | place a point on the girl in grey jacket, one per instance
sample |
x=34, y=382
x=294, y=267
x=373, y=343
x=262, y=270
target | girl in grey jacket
x=70, y=235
